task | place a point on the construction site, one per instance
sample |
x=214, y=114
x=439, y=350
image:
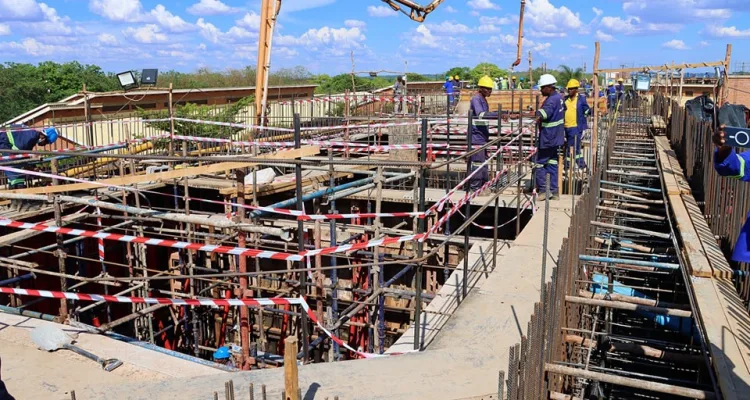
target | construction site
x=332, y=244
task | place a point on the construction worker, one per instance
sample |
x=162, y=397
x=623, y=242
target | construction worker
x=620, y=89
x=448, y=87
x=457, y=86
x=611, y=95
x=480, y=130
x=513, y=82
x=520, y=84
x=223, y=356
x=399, y=90
x=576, y=111
x=504, y=83
x=551, y=136
x=21, y=137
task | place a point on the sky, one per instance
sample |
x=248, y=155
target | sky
x=321, y=35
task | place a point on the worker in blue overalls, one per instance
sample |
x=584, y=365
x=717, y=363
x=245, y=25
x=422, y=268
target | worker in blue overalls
x=551, y=136
x=448, y=87
x=576, y=111
x=21, y=137
x=480, y=130
x=620, y=89
x=732, y=165
x=223, y=356
x=611, y=96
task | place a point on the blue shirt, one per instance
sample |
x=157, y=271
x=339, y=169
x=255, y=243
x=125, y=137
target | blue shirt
x=611, y=90
x=552, y=115
x=448, y=86
x=24, y=139
x=735, y=166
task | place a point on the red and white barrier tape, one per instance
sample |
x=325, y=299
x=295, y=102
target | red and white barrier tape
x=231, y=124
x=79, y=148
x=332, y=99
x=257, y=302
x=313, y=217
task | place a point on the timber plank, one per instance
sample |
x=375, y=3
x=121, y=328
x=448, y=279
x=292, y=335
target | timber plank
x=662, y=146
x=169, y=175
x=692, y=247
x=719, y=264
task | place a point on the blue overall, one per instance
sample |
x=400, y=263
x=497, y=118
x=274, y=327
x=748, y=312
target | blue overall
x=24, y=139
x=735, y=166
x=551, y=138
x=611, y=97
x=480, y=135
x=574, y=136
x=448, y=86
x=620, y=88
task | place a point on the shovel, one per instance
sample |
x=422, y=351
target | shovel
x=50, y=338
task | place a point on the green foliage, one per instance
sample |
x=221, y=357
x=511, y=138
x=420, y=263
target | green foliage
x=566, y=73
x=462, y=72
x=413, y=77
x=342, y=82
x=201, y=112
x=489, y=69
x=25, y=86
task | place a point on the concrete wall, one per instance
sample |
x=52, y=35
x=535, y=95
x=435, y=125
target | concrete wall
x=739, y=89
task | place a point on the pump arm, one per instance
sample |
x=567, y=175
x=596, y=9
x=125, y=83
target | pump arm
x=418, y=13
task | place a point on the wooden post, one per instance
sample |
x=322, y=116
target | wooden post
x=724, y=90
x=595, y=125
x=171, y=123
x=60, y=248
x=291, y=380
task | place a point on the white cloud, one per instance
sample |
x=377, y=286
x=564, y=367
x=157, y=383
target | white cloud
x=512, y=41
x=118, y=10
x=604, y=37
x=237, y=34
x=679, y=11
x=170, y=21
x=675, y=44
x=251, y=20
x=210, y=7
x=355, y=23
x=285, y=52
x=331, y=40
x=492, y=24
x=381, y=11
x=449, y=27
x=149, y=33
x=106, y=38
x=209, y=31
x=176, y=54
x=4, y=29
x=634, y=26
x=425, y=37
x=35, y=48
x=202, y=46
x=579, y=46
x=450, y=9
x=482, y=5
x=300, y=5
x=727, y=31
x=20, y=10
x=597, y=11
x=546, y=18
x=704, y=43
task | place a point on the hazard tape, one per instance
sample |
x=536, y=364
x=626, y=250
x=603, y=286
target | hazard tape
x=314, y=217
x=405, y=99
x=322, y=143
x=79, y=148
x=231, y=124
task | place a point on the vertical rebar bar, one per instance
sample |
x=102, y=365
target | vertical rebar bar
x=467, y=209
x=420, y=244
x=301, y=236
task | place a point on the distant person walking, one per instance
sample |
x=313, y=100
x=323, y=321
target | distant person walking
x=399, y=91
x=448, y=88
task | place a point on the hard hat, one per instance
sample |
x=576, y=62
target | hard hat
x=222, y=353
x=521, y=79
x=620, y=80
x=404, y=77
x=447, y=78
x=610, y=83
x=546, y=80
x=514, y=78
x=456, y=77
x=485, y=82
x=51, y=134
x=573, y=83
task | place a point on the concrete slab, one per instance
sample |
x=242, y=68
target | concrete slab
x=30, y=373
x=463, y=361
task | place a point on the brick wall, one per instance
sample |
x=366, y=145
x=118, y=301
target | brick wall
x=739, y=89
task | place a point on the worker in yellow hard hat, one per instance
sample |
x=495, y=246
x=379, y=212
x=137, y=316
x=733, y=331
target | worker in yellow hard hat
x=457, y=87
x=479, y=132
x=576, y=111
x=513, y=82
x=611, y=95
x=620, y=90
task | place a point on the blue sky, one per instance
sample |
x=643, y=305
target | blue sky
x=320, y=34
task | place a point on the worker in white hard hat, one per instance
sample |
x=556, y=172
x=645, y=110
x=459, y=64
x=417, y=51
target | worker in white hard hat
x=551, y=136
x=620, y=90
x=611, y=95
x=399, y=91
x=480, y=130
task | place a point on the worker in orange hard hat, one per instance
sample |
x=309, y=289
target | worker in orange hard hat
x=480, y=130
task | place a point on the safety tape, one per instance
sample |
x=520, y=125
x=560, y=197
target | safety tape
x=405, y=99
x=231, y=124
x=322, y=143
x=79, y=148
x=77, y=125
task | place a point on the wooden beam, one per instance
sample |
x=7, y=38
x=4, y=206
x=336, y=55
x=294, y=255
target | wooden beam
x=169, y=175
x=665, y=67
x=595, y=127
x=291, y=379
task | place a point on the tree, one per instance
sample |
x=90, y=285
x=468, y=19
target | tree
x=462, y=72
x=200, y=112
x=566, y=74
x=489, y=69
x=343, y=82
x=414, y=77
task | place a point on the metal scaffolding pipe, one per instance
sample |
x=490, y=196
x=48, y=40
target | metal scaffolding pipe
x=627, y=261
x=628, y=306
x=630, y=382
x=215, y=221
